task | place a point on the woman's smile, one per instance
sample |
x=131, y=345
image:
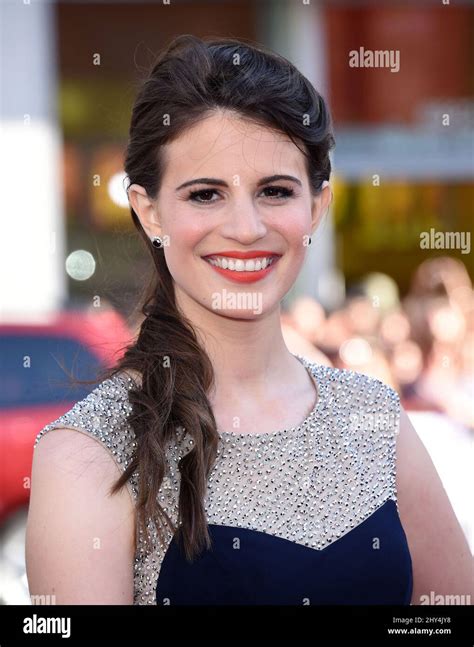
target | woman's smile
x=242, y=271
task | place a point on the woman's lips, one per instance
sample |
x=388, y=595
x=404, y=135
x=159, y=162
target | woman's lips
x=254, y=253
x=243, y=276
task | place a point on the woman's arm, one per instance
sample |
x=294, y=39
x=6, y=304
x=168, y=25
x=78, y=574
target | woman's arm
x=442, y=560
x=79, y=539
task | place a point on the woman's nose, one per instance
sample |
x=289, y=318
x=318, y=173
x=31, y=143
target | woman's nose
x=244, y=222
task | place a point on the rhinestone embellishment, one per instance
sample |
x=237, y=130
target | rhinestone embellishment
x=310, y=484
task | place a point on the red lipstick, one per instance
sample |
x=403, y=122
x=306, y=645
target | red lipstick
x=253, y=254
x=243, y=276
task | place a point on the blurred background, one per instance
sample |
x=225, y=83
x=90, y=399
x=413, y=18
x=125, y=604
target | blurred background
x=381, y=291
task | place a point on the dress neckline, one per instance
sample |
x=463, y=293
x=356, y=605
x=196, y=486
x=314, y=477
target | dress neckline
x=315, y=372
x=315, y=375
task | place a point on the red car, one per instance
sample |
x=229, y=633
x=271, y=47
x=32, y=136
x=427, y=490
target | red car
x=35, y=390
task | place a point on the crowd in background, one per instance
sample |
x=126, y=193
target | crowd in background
x=422, y=345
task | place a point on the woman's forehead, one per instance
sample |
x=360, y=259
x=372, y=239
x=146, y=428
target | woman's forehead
x=229, y=144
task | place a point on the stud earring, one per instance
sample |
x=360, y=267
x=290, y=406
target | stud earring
x=157, y=242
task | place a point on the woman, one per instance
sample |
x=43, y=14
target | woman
x=253, y=476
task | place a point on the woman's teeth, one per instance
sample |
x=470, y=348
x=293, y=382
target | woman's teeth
x=239, y=265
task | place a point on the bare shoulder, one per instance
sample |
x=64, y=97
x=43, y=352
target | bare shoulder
x=74, y=453
x=80, y=539
x=441, y=558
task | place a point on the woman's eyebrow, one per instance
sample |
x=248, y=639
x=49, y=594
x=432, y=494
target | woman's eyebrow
x=217, y=182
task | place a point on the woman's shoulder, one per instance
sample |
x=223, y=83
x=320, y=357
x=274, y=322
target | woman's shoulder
x=352, y=388
x=78, y=459
x=102, y=415
x=361, y=414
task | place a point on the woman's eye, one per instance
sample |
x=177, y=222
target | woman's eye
x=285, y=193
x=205, y=195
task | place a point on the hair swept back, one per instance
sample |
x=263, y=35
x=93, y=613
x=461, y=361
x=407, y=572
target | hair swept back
x=189, y=79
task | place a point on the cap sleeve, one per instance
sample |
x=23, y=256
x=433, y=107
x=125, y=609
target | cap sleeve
x=103, y=415
x=375, y=418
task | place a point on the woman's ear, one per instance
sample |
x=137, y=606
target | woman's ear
x=321, y=203
x=145, y=208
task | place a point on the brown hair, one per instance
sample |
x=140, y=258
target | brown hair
x=191, y=78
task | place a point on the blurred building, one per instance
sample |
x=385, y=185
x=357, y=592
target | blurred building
x=404, y=153
x=403, y=157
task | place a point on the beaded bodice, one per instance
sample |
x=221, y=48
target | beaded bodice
x=311, y=484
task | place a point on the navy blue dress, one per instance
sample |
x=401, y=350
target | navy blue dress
x=299, y=516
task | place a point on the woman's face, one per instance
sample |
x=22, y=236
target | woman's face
x=217, y=199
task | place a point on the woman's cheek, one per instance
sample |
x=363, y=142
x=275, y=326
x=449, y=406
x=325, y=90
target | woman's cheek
x=297, y=238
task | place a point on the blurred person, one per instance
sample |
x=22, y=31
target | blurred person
x=442, y=280
x=466, y=364
x=394, y=328
x=442, y=383
x=336, y=331
x=209, y=431
x=378, y=290
x=300, y=345
x=365, y=355
x=440, y=276
x=439, y=327
x=308, y=318
x=406, y=364
x=439, y=306
x=363, y=316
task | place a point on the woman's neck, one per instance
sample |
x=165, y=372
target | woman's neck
x=248, y=355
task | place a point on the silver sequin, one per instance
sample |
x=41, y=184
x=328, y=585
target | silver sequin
x=310, y=484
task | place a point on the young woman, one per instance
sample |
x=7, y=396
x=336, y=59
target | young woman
x=213, y=466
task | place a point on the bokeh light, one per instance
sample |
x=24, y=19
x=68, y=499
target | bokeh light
x=80, y=265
